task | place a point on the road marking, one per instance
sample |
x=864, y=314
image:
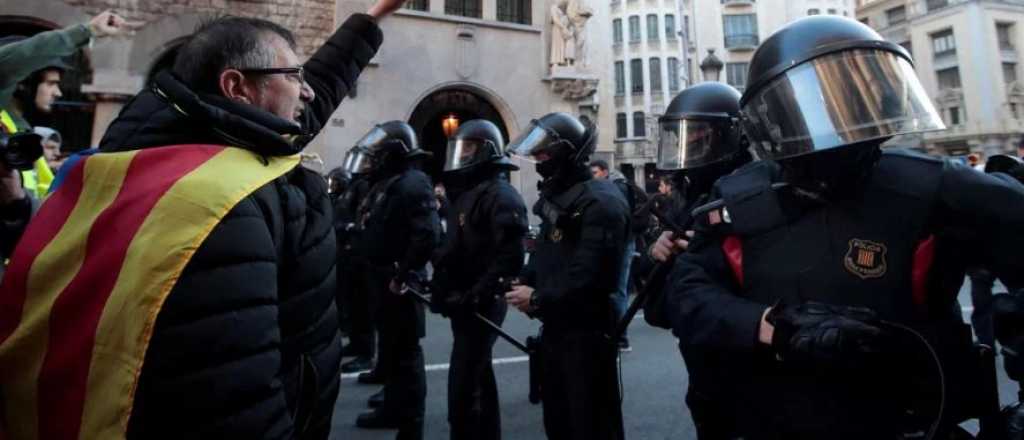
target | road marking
x=445, y=367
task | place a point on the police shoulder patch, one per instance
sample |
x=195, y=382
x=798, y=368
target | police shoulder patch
x=866, y=259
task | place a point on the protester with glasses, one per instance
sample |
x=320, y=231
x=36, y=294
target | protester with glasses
x=241, y=338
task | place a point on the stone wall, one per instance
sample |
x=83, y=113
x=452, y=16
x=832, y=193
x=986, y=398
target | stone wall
x=311, y=20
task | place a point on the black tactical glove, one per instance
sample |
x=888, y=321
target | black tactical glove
x=1008, y=323
x=821, y=335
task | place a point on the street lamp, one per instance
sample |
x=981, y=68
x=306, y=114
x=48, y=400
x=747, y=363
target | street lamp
x=450, y=125
x=711, y=66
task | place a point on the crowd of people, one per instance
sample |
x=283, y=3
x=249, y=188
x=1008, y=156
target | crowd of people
x=188, y=278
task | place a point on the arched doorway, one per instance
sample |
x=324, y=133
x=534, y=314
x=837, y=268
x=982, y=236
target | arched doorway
x=463, y=104
x=72, y=115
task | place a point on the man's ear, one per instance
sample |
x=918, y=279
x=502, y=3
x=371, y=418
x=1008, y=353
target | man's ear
x=232, y=85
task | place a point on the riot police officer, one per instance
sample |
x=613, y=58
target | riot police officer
x=823, y=298
x=348, y=191
x=571, y=278
x=400, y=230
x=487, y=221
x=699, y=141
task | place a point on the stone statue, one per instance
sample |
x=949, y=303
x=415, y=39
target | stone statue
x=578, y=15
x=563, y=46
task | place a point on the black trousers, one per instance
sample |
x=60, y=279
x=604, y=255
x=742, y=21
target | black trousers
x=581, y=386
x=357, y=293
x=400, y=323
x=473, y=411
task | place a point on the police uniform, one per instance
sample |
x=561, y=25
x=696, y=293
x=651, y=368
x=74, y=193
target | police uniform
x=486, y=226
x=574, y=270
x=853, y=256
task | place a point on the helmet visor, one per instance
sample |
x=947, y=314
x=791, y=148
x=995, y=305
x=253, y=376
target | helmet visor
x=839, y=99
x=532, y=142
x=359, y=161
x=372, y=140
x=691, y=143
x=464, y=153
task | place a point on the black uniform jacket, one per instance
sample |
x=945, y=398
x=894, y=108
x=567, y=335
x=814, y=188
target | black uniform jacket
x=899, y=247
x=247, y=343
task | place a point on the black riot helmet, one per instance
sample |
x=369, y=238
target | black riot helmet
x=386, y=147
x=824, y=82
x=561, y=137
x=700, y=127
x=476, y=143
x=338, y=181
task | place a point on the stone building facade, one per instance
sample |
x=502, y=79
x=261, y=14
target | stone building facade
x=441, y=58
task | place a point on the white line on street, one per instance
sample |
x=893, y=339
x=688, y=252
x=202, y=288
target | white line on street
x=444, y=367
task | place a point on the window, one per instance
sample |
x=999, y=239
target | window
x=936, y=4
x=736, y=74
x=620, y=126
x=813, y=11
x=943, y=43
x=654, y=70
x=514, y=11
x=620, y=78
x=686, y=26
x=617, y=30
x=670, y=27
x=865, y=20
x=639, y=126
x=1004, y=31
x=1009, y=72
x=636, y=76
x=465, y=8
x=673, y=74
x=948, y=78
x=896, y=15
x=652, y=27
x=416, y=5
x=831, y=11
x=634, y=29
x=954, y=116
x=740, y=30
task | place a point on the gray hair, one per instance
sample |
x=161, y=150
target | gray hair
x=227, y=43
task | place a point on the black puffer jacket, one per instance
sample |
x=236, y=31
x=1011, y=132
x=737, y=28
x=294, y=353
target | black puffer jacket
x=247, y=345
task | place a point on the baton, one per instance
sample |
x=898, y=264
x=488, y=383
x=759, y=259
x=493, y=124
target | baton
x=494, y=327
x=657, y=272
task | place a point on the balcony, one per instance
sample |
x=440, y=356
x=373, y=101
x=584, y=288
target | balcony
x=738, y=2
x=742, y=41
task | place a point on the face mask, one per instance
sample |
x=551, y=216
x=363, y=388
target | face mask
x=548, y=168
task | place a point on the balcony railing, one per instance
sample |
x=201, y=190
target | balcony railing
x=737, y=2
x=741, y=41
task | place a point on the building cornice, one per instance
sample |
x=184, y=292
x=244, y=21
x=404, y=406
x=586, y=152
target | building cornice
x=455, y=19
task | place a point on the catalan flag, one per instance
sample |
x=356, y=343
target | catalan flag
x=84, y=286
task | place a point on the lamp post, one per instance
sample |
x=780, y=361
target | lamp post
x=711, y=66
x=450, y=125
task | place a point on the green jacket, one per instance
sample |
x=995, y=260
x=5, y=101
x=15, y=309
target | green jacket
x=19, y=60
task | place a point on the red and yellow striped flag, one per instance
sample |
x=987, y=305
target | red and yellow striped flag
x=81, y=295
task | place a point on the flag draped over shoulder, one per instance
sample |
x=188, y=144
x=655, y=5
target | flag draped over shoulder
x=84, y=286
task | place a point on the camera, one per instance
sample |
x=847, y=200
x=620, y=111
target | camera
x=20, y=150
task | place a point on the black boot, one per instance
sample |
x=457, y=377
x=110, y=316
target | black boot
x=377, y=420
x=361, y=363
x=373, y=377
x=410, y=430
x=376, y=400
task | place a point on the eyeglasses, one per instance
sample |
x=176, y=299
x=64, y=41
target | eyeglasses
x=293, y=73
